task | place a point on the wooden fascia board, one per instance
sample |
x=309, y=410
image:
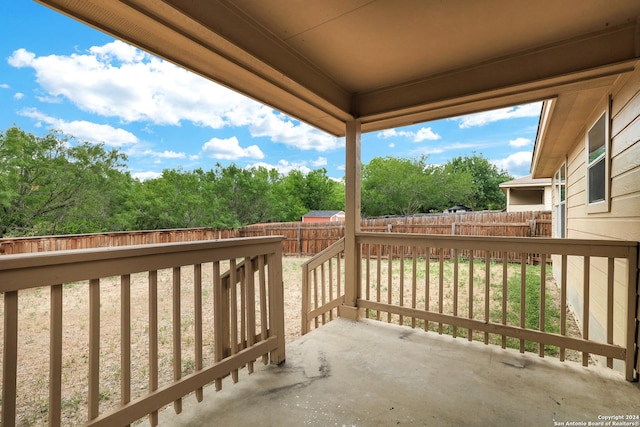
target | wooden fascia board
x=517, y=77
x=543, y=126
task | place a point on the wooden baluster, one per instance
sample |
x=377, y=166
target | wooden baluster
x=264, y=322
x=93, y=397
x=441, y=288
x=414, y=282
x=125, y=339
x=378, y=277
x=523, y=293
x=153, y=340
x=401, y=292
x=505, y=282
x=610, y=284
x=563, y=304
x=55, y=357
x=177, y=335
x=233, y=320
x=487, y=291
x=543, y=299
x=10, y=358
x=585, y=306
x=218, y=318
x=251, y=306
x=427, y=285
x=197, y=311
x=470, y=308
x=455, y=290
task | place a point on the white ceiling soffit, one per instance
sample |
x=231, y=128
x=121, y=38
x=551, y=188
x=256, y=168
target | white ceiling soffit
x=388, y=62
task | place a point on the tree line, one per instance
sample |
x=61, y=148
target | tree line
x=57, y=185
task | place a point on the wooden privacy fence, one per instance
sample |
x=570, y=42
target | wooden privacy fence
x=304, y=239
x=22, y=245
x=307, y=239
x=234, y=316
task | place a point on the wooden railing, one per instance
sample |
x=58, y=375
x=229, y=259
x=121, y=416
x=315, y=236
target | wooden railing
x=476, y=287
x=505, y=303
x=322, y=291
x=237, y=308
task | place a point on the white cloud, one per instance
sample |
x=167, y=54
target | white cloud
x=18, y=95
x=229, y=149
x=143, y=176
x=421, y=135
x=167, y=154
x=118, y=80
x=426, y=134
x=391, y=133
x=50, y=99
x=520, y=142
x=320, y=161
x=283, y=166
x=84, y=130
x=426, y=150
x=4, y=86
x=514, y=161
x=21, y=58
x=486, y=117
x=282, y=129
x=392, y=145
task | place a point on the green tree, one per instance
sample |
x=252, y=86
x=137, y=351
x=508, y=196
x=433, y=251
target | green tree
x=486, y=180
x=397, y=186
x=312, y=191
x=53, y=184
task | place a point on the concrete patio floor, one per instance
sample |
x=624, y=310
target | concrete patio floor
x=371, y=373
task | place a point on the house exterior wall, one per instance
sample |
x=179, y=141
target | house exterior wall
x=315, y=219
x=621, y=218
x=337, y=217
x=522, y=200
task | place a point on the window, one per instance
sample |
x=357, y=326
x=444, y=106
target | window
x=559, y=196
x=597, y=165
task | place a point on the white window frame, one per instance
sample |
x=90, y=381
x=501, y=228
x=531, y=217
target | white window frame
x=600, y=205
x=560, y=203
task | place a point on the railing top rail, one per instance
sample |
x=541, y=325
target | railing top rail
x=327, y=253
x=22, y=271
x=583, y=247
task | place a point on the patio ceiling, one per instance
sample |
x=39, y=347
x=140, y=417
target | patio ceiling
x=388, y=63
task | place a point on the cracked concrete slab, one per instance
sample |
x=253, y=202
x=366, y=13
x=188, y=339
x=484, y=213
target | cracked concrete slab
x=369, y=373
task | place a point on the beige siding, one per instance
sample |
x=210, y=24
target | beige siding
x=548, y=198
x=622, y=221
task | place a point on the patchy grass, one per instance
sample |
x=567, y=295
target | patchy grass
x=464, y=291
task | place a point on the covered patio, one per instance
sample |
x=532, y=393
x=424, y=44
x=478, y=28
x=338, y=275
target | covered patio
x=348, y=67
x=371, y=374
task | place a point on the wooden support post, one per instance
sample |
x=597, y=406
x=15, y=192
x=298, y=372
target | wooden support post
x=352, y=266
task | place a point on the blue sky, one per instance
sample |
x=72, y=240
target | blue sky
x=56, y=73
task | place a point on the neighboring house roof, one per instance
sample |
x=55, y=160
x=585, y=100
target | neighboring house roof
x=526, y=181
x=321, y=214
